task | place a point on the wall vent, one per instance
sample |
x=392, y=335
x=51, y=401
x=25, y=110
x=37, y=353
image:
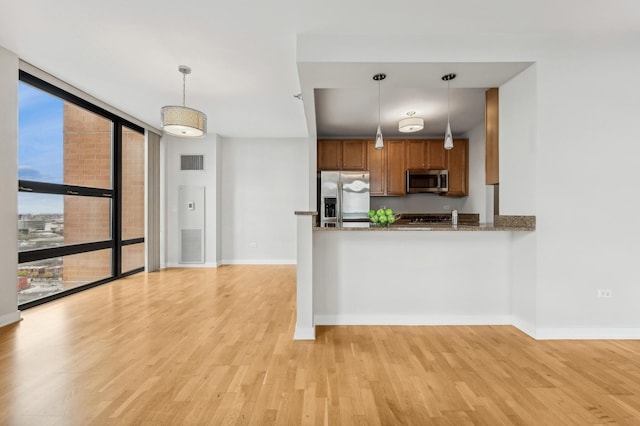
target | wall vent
x=192, y=162
x=191, y=246
x=191, y=214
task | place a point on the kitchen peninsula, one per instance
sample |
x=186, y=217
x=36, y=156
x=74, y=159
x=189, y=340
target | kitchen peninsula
x=406, y=276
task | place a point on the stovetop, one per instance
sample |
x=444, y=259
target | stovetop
x=425, y=218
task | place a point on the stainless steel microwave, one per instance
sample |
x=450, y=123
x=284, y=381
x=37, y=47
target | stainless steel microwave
x=427, y=181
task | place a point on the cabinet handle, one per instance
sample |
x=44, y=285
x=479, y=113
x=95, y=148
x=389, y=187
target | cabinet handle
x=72, y=193
x=24, y=188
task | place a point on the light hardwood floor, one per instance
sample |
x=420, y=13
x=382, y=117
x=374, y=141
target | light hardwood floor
x=214, y=346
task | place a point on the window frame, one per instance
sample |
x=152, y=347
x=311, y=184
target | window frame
x=115, y=194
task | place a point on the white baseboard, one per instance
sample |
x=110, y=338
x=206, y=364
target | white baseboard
x=617, y=333
x=524, y=326
x=412, y=320
x=193, y=265
x=258, y=261
x=7, y=319
x=304, y=333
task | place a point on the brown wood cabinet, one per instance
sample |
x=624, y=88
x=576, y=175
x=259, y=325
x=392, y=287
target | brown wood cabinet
x=457, y=162
x=342, y=154
x=425, y=154
x=396, y=167
x=436, y=154
x=416, y=154
x=387, y=167
x=492, y=171
x=376, y=164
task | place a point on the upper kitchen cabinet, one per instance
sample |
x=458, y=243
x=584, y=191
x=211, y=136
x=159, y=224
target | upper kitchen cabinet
x=436, y=154
x=425, y=154
x=457, y=162
x=342, y=154
x=491, y=137
x=329, y=155
x=376, y=164
x=416, y=154
x=387, y=168
x=396, y=167
x=354, y=155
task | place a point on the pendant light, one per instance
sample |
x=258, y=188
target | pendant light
x=180, y=120
x=448, y=137
x=379, y=141
x=411, y=124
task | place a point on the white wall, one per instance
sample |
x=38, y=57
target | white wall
x=586, y=240
x=411, y=277
x=263, y=182
x=476, y=202
x=518, y=140
x=586, y=106
x=8, y=190
x=173, y=148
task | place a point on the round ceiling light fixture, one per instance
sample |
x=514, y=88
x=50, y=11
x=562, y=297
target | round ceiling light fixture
x=183, y=121
x=411, y=124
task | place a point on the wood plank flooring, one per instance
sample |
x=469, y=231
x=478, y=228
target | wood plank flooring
x=214, y=347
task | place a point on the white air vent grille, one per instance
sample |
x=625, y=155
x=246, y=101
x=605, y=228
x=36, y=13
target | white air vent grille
x=192, y=162
x=191, y=246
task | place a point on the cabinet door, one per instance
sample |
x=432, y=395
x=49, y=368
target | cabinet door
x=458, y=166
x=377, y=169
x=415, y=154
x=435, y=154
x=396, y=169
x=491, y=125
x=329, y=155
x=354, y=155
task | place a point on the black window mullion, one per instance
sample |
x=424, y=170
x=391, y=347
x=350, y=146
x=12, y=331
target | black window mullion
x=63, y=94
x=132, y=241
x=117, y=202
x=115, y=194
x=61, y=189
x=50, y=252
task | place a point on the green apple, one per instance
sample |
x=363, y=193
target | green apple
x=380, y=212
x=383, y=219
x=388, y=212
x=391, y=218
x=375, y=219
x=372, y=213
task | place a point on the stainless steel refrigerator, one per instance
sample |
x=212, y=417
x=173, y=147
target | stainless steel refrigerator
x=344, y=197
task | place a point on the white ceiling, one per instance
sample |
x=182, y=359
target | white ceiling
x=243, y=53
x=346, y=102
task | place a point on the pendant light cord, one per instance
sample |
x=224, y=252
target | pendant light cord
x=448, y=101
x=378, y=103
x=184, y=88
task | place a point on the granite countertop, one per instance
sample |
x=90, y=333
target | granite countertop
x=501, y=223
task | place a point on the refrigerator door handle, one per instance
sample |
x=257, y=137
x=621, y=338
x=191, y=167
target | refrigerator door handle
x=339, y=204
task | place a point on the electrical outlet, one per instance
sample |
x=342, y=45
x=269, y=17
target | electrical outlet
x=253, y=245
x=605, y=293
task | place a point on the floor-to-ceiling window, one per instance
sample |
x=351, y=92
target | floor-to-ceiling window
x=81, y=194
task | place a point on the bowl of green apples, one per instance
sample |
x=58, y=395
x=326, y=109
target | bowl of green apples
x=382, y=217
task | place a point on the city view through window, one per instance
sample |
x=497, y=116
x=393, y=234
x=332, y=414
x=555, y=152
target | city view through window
x=67, y=195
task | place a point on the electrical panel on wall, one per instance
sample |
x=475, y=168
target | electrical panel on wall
x=191, y=219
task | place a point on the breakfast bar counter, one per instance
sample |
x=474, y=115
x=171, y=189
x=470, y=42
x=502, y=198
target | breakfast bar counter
x=398, y=275
x=423, y=227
